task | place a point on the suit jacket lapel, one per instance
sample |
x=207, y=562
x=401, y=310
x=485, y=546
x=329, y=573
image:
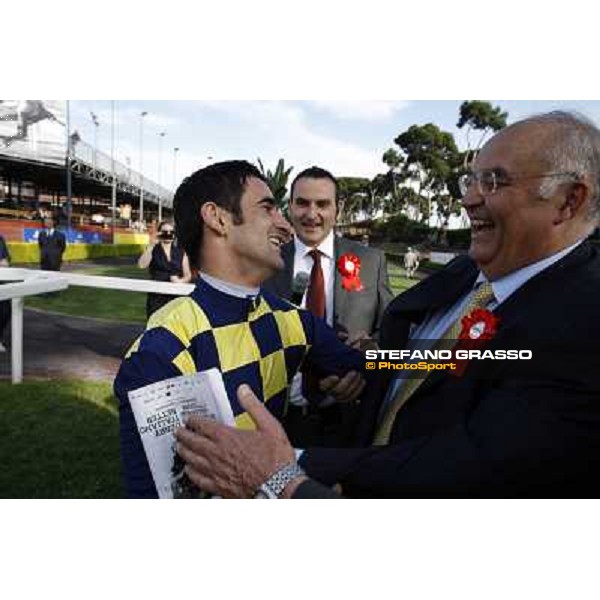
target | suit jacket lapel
x=339, y=295
x=440, y=290
x=517, y=302
x=287, y=253
x=281, y=282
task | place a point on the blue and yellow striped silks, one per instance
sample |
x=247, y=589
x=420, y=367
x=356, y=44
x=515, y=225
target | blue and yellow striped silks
x=261, y=342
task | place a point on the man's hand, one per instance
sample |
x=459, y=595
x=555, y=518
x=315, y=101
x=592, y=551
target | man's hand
x=345, y=389
x=360, y=340
x=234, y=463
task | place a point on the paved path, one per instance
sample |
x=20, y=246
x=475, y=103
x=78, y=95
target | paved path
x=64, y=346
x=60, y=346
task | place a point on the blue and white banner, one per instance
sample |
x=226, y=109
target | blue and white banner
x=73, y=237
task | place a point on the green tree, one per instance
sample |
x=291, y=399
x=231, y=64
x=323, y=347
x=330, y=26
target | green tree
x=353, y=196
x=392, y=158
x=277, y=180
x=394, y=162
x=479, y=115
x=431, y=159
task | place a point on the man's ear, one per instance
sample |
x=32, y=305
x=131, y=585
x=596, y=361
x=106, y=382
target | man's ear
x=574, y=202
x=213, y=217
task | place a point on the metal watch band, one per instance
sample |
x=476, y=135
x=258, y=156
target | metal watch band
x=274, y=486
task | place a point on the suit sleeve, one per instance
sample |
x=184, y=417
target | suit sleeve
x=384, y=292
x=311, y=489
x=520, y=440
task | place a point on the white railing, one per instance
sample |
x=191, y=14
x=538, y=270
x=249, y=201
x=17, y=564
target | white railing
x=29, y=282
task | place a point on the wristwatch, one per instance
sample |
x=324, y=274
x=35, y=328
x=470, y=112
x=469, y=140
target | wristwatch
x=272, y=488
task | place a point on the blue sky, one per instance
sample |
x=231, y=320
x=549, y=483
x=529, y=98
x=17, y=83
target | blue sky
x=346, y=137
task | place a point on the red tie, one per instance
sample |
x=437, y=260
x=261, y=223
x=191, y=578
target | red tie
x=315, y=296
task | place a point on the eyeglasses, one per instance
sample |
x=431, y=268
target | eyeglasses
x=488, y=181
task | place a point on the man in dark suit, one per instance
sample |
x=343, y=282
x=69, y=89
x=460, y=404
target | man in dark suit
x=501, y=427
x=355, y=312
x=52, y=245
x=4, y=306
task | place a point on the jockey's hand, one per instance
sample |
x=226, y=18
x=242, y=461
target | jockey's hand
x=344, y=389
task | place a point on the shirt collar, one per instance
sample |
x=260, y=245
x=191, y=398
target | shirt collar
x=509, y=284
x=325, y=247
x=233, y=289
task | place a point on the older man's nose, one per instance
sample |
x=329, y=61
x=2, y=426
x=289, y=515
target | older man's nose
x=472, y=196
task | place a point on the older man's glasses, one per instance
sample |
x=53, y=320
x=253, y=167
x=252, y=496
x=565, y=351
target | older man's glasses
x=489, y=181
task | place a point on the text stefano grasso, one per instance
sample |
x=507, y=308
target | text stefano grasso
x=349, y=267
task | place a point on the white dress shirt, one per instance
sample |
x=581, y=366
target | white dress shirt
x=303, y=261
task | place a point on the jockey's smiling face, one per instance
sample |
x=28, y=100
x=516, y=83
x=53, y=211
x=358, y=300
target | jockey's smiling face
x=255, y=243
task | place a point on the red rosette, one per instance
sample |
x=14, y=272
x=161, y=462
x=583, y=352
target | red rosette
x=349, y=268
x=479, y=324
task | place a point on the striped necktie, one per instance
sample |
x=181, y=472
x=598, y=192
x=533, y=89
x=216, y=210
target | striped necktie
x=482, y=296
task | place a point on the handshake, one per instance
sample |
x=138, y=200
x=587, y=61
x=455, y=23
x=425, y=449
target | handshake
x=349, y=387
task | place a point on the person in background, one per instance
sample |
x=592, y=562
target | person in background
x=4, y=306
x=355, y=312
x=411, y=262
x=52, y=245
x=166, y=261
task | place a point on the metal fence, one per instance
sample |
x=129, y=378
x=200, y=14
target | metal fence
x=125, y=175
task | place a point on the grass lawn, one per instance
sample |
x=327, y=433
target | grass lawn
x=59, y=439
x=93, y=302
x=398, y=282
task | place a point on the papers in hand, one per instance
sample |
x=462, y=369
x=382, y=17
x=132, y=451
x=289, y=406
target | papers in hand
x=159, y=408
